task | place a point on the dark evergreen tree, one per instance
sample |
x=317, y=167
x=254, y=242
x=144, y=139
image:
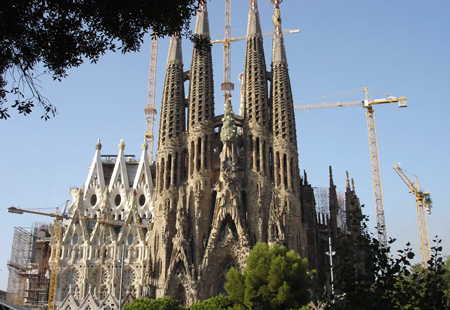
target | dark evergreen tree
x=272, y=279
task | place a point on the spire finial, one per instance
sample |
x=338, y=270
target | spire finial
x=253, y=26
x=276, y=15
x=175, y=55
x=98, y=146
x=145, y=146
x=353, y=185
x=202, y=23
x=278, y=50
x=121, y=145
x=347, y=182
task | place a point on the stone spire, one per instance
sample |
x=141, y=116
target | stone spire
x=347, y=182
x=172, y=120
x=278, y=50
x=334, y=206
x=200, y=136
x=283, y=118
x=253, y=26
x=255, y=72
x=201, y=91
x=175, y=55
x=172, y=117
x=257, y=127
x=202, y=23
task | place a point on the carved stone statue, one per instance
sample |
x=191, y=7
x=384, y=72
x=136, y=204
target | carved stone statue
x=228, y=133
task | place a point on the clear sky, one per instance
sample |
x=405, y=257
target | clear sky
x=398, y=47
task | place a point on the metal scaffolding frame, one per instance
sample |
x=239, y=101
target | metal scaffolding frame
x=28, y=267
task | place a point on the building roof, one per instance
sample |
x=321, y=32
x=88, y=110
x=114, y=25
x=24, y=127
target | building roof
x=4, y=305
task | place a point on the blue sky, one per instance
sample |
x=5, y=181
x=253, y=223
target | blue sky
x=398, y=47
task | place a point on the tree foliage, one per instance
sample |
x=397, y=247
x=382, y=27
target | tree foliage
x=371, y=278
x=219, y=302
x=61, y=34
x=272, y=279
x=165, y=303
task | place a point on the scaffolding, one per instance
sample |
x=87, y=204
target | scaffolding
x=322, y=198
x=29, y=266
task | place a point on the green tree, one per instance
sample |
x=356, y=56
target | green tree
x=446, y=277
x=165, y=303
x=272, y=279
x=371, y=278
x=219, y=302
x=60, y=34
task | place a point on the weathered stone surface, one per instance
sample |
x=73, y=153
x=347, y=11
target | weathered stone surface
x=222, y=184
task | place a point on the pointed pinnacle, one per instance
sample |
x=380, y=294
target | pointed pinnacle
x=254, y=25
x=202, y=23
x=175, y=55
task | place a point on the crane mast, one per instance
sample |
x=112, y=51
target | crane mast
x=368, y=104
x=150, y=110
x=54, y=267
x=423, y=206
x=376, y=176
x=227, y=86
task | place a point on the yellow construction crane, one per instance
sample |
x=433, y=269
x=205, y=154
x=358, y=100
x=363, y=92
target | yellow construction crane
x=423, y=204
x=227, y=86
x=150, y=110
x=368, y=104
x=57, y=239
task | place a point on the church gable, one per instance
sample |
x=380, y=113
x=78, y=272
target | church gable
x=89, y=303
x=143, y=173
x=69, y=303
x=95, y=177
x=109, y=303
x=120, y=174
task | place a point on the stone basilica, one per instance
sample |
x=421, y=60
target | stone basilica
x=221, y=183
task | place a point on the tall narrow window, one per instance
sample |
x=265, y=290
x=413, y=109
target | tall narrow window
x=161, y=176
x=205, y=153
x=175, y=170
x=168, y=171
x=292, y=173
x=199, y=151
x=277, y=168
x=257, y=155
x=191, y=165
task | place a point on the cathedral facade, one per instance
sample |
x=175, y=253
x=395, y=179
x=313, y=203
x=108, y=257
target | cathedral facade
x=220, y=184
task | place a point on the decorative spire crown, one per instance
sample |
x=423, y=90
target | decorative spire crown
x=175, y=55
x=347, y=181
x=278, y=50
x=228, y=131
x=202, y=23
x=121, y=145
x=253, y=26
x=144, y=146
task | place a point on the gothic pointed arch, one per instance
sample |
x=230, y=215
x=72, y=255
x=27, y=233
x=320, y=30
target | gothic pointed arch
x=179, y=282
x=99, y=282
